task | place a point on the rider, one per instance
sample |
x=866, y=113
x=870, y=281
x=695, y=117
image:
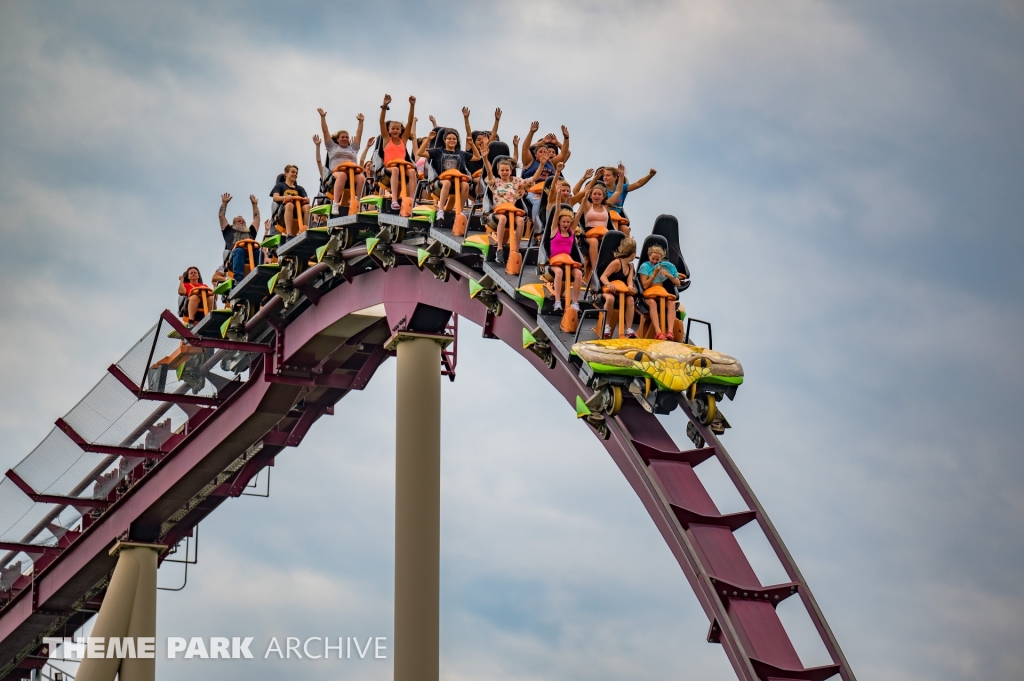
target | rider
x=284, y=212
x=238, y=229
x=448, y=157
x=660, y=272
x=506, y=189
x=480, y=138
x=547, y=151
x=539, y=161
x=187, y=282
x=395, y=137
x=340, y=149
x=615, y=180
x=561, y=242
x=595, y=218
x=620, y=269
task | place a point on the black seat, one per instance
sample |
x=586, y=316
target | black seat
x=667, y=227
x=605, y=254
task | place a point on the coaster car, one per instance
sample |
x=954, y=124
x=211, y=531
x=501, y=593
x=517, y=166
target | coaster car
x=657, y=372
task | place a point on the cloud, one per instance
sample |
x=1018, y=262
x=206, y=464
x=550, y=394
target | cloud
x=846, y=178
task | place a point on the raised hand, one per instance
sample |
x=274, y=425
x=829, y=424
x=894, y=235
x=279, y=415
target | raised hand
x=433, y=121
x=225, y=197
x=653, y=172
x=253, y=199
x=589, y=174
x=515, y=140
x=387, y=99
x=323, y=114
x=465, y=112
x=432, y=134
x=565, y=131
x=360, y=117
x=559, y=166
x=535, y=126
x=412, y=99
x=497, y=114
x=621, y=168
x=316, y=140
x=371, y=141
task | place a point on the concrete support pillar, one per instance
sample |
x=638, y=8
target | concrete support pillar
x=417, y=509
x=128, y=611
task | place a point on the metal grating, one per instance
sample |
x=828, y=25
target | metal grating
x=110, y=414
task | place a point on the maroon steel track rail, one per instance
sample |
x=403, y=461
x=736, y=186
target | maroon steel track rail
x=743, y=618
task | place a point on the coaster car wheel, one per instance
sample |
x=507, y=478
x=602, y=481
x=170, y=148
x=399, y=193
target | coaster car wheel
x=442, y=273
x=704, y=408
x=612, y=395
x=346, y=238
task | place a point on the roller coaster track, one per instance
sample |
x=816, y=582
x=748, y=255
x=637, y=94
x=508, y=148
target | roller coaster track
x=311, y=354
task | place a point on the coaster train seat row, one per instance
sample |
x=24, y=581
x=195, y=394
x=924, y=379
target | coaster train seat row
x=398, y=204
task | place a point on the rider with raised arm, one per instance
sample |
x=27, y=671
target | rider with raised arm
x=341, y=148
x=237, y=230
x=559, y=196
x=288, y=194
x=548, y=151
x=539, y=162
x=620, y=187
x=367, y=166
x=506, y=190
x=480, y=138
x=578, y=191
x=320, y=161
x=394, y=138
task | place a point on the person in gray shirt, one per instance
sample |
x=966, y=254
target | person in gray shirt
x=341, y=148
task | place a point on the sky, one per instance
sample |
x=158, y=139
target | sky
x=848, y=178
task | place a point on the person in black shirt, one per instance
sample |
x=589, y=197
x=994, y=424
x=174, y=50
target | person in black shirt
x=448, y=157
x=286, y=192
x=236, y=231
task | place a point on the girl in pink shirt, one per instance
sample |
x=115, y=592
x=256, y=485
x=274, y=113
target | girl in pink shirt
x=561, y=242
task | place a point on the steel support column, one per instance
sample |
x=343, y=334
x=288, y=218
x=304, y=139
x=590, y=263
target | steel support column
x=417, y=508
x=128, y=612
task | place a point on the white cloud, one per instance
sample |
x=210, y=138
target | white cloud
x=791, y=140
